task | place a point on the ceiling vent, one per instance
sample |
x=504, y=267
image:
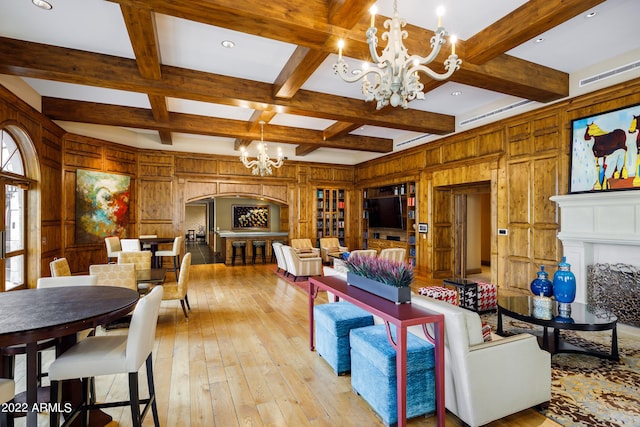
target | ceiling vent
x=495, y=112
x=409, y=141
x=610, y=73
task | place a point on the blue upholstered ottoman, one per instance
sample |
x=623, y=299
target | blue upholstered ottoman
x=373, y=373
x=333, y=321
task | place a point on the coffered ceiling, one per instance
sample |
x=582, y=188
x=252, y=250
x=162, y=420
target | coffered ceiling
x=155, y=74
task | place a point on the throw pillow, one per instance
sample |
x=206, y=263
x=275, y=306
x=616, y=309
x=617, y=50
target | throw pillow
x=486, y=332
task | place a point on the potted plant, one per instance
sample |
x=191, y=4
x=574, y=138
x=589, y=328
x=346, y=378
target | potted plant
x=388, y=279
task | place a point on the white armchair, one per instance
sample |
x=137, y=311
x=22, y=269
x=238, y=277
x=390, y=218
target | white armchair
x=277, y=251
x=486, y=381
x=299, y=266
x=330, y=245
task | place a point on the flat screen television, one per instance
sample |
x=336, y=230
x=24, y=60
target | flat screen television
x=386, y=212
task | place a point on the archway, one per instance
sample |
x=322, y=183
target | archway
x=207, y=215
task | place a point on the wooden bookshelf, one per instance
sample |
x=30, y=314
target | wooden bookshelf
x=331, y=213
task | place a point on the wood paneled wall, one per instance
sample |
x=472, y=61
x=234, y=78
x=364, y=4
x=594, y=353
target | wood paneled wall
x=524, y=158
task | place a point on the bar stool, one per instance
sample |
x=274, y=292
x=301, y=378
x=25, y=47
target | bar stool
x=262, y=245
x=273, y=254
x=242, y=245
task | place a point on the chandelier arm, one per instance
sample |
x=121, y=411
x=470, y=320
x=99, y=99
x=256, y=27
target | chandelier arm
x=436, y=44
x=451, y=65
x=342, y=69
x=372, y=41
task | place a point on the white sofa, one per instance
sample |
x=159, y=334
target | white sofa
x=486, y=381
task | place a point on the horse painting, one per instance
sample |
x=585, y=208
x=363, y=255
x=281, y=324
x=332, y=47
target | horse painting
x=605, y=145
x=633, y=127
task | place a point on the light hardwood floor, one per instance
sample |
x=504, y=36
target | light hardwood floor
x=243, y=359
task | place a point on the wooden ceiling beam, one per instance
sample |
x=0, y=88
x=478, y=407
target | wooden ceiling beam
x=252, y=125
x=161, y=114
x=339, y=129
x=141, y=27
x=526, y=22
x=114, y=115
x=27, y=59
x=306, y=24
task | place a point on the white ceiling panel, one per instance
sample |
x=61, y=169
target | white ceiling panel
x=190, y=44
x=188, y=106
x=89, y=93
x=91, y=25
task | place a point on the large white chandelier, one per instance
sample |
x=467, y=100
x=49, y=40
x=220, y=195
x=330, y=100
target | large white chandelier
x=262, y=164
x=395, y=79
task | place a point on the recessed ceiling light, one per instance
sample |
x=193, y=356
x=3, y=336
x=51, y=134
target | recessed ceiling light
x=42, y=4
x=591, y=14
x=456, y=93
x=228, y=44
x=356, y=72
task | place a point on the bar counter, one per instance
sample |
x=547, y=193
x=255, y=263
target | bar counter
x=249, y=236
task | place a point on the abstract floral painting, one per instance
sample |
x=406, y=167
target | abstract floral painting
x=102, y=206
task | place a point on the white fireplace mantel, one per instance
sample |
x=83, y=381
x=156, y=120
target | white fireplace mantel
x=599, y=228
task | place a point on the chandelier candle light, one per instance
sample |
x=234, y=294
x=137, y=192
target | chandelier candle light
x=395, y=78
x=262, y=164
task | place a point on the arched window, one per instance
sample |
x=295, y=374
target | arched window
x=14, y=185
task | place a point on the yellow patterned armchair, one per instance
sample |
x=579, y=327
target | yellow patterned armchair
x=304, y=247
x=330, y=245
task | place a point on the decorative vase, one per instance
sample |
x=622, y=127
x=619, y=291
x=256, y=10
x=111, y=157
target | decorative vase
x=392, y=293
x=564, y=284
x=541, y=285
x=542, y=307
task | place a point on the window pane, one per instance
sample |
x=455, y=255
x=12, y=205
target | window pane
x=14, y=271
x=11, y=159
x=14, y=218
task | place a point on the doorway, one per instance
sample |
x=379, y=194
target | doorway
x=472, y=235
x=199, y=225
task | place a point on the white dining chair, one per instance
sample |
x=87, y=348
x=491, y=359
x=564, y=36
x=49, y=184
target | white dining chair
x=147, y=246
x=174, y=252
x=130, y=245
x=112, y=355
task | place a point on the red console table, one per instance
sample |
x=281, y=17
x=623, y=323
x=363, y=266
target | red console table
x=401, y=316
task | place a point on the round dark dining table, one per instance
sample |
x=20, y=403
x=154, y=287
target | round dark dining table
x=30, y=315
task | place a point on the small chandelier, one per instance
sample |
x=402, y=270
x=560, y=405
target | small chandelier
x=262, y=164
x=395, y=79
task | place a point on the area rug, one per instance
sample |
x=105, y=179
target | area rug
x=587, y=390
x=300, y=283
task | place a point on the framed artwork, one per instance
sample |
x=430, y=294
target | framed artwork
x=250, y=217
x=604, y=151
x=102, y=206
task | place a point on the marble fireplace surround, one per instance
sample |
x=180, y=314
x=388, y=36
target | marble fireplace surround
x=599, y=228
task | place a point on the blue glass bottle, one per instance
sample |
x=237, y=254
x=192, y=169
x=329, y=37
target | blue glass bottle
x=541, y=285
x=564, y=283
